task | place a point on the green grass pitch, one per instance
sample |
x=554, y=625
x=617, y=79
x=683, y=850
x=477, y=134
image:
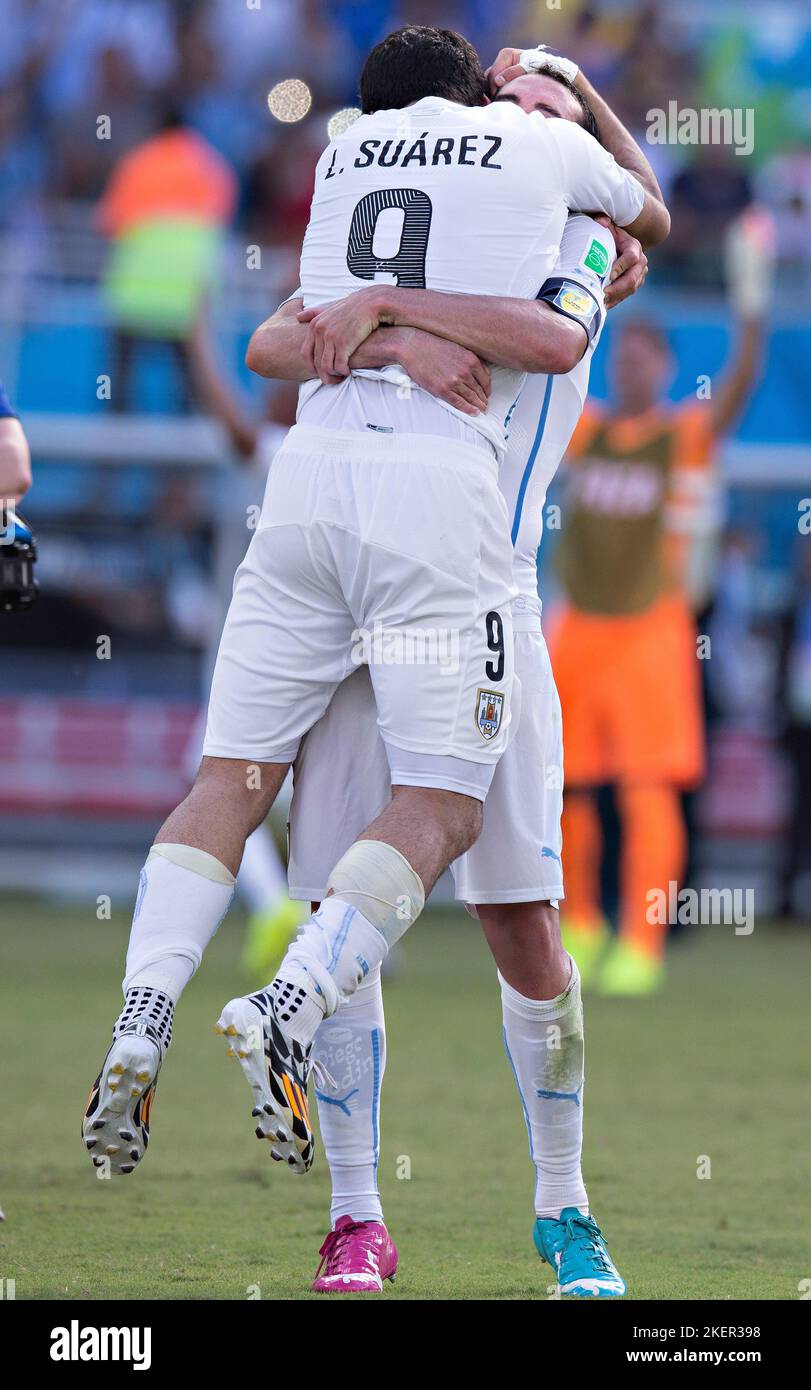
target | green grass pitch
x=716, y=1066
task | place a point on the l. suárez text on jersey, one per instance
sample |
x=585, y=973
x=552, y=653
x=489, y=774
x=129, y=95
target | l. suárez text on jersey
x=472, y=151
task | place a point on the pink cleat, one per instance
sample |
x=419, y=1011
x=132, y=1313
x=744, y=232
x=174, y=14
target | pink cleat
x=355, y=1258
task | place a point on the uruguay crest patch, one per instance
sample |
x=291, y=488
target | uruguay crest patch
x=489, y=709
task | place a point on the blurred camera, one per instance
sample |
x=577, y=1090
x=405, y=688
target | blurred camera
x=18, y=554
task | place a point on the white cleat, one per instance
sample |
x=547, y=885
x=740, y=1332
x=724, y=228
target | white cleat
x=277, y=1070
x=115, y=1127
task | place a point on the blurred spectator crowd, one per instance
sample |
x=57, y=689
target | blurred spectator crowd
x=63, y=63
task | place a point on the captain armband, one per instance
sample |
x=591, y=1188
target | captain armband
x=574, y=301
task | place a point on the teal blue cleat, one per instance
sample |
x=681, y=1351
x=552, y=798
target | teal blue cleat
x=575, y=1249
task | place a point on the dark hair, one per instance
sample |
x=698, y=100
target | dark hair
x=421, y=61
x=589, y=119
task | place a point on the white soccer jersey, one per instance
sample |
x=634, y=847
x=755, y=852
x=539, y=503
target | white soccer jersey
x=467, y=200
x=342, y=773
x=549, y=407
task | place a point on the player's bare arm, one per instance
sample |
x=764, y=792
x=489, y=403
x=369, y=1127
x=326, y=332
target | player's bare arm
x=521, y=334
x=274, y=350
x=617, y=139
x=280, y=348
x=15, y=461
x=422, y=326
x=652, y=225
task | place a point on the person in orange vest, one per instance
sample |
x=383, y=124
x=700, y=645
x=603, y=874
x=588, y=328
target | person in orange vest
x=164, y=210
x=624, y=650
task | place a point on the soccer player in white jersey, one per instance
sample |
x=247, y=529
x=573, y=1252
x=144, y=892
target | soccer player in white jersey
x=356, y=531
x=513, y=872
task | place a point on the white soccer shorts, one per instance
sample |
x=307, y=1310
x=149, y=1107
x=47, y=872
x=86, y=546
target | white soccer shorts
x=341, y=783
x=392, y=550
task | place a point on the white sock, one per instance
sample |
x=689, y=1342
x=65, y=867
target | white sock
x=352, y=1046
x=261, y=880
x=332, y=954
x=183, y=896
x=544, y=1042
x=341, y=945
